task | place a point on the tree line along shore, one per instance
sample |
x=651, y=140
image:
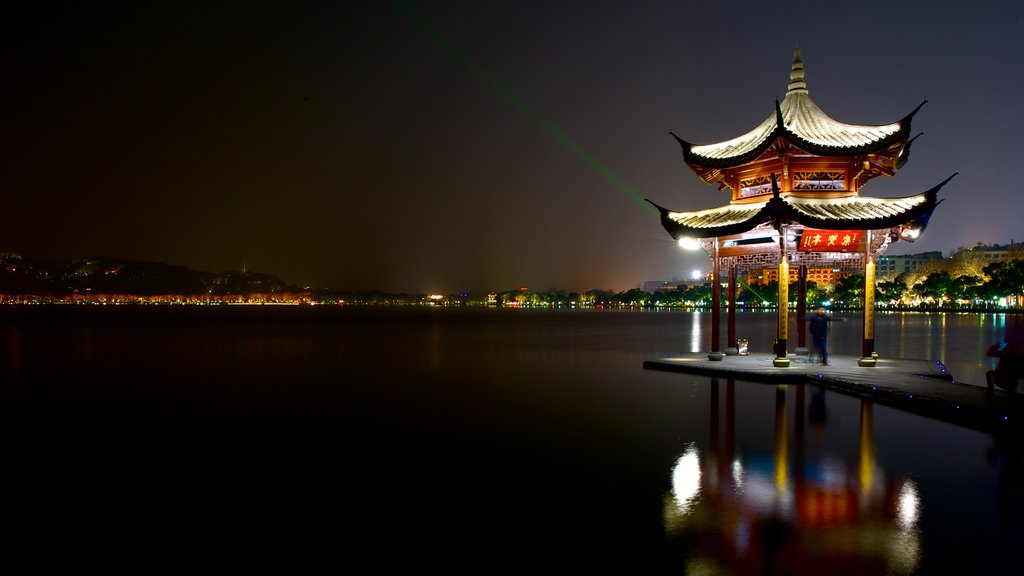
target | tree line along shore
x=995, y=286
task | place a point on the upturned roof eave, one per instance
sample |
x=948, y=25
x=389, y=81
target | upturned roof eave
x=900, y=135
x=694, y=159
x=793, y=216
x=698, y=161
x=781, y=130
x=919, y=214
x=782, y=209
x=678, y=230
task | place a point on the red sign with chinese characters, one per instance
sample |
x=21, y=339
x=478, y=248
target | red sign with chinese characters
x=829, y=240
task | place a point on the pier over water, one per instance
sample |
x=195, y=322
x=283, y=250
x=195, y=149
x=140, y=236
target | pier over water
x=924, y=387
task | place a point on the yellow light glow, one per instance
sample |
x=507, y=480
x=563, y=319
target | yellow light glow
x=910, y=234
x=688, y=243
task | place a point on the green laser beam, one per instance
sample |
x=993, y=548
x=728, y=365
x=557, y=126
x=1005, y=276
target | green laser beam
x=751, y=290
x=529, y=111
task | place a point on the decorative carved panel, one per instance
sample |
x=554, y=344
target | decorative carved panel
x=819, y=181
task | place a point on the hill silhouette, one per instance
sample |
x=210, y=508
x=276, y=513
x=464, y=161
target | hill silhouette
x=109, y=275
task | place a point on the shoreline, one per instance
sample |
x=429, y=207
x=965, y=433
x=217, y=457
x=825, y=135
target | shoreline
x=261, y=300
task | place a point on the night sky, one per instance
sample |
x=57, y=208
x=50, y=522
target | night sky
x=468, y=146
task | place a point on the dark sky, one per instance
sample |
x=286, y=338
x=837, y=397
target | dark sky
x=468, y=146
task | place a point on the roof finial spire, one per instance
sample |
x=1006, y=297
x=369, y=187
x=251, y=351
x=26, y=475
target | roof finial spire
x=796, y=75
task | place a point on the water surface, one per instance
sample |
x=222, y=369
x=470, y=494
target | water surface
x=483, y=441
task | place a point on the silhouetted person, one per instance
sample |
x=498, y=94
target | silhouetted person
x=818, y=324
x=1010, y=351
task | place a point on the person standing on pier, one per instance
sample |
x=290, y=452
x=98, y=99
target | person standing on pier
x=819, y=331
x=1010, y=352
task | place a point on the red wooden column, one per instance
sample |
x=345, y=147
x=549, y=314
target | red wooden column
x=716, y=305
x=731, y=346
x=801, y=310
x=781, y=360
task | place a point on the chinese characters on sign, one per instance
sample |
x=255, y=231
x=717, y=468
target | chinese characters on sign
x=829, y=240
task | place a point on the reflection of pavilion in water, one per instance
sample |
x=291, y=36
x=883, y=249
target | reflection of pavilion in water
x=791, y=511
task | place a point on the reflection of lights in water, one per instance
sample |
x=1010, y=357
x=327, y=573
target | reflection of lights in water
x=760, y=493
x=702, y=567
x=904, y=549
x=695, y=333
x=742, y=536
x=904, y=552
x=942, y=339
x=686, y=479
x=711, y=470
x=908, y=507
x=832, y=473
x=737, y=473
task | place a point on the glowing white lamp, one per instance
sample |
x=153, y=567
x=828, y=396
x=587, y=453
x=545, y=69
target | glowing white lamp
x=688, y=243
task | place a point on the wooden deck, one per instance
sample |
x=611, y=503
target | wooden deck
x=921, y=386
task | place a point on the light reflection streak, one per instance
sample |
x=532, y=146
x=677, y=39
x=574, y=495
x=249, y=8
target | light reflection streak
x=737, y=474
x=791, y=501
x=928, y=342
x=995, y=331
x=905, y=547
x=686, y=480
x=696, y=336
x=866, y=460
x=908, y=506
x=742, y=536
x=942, y=338
x=902, y=338
x=781, y=452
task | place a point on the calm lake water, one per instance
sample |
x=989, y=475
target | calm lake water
x=483, y=441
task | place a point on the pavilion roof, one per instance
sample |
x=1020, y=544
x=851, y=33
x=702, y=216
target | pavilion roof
x=801, y=122
x=853, y=212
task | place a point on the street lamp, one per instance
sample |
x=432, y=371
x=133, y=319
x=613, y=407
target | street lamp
x=688, y=243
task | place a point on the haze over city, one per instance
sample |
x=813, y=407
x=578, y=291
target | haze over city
x=456, y=146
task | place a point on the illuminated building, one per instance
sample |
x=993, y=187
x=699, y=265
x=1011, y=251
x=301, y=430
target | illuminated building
x=820, y=276
x=655, y=286
x=989, y=254
x=890, y=267
x=794, y=183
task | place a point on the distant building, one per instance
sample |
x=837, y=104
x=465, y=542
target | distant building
x=820, y=276
x=654, y=286
x=989, y=253
x=889, y=267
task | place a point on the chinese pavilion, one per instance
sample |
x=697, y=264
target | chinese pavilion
x=795, y=185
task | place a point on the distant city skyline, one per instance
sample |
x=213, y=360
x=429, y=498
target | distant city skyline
x=25, y=275
x=456, y=147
